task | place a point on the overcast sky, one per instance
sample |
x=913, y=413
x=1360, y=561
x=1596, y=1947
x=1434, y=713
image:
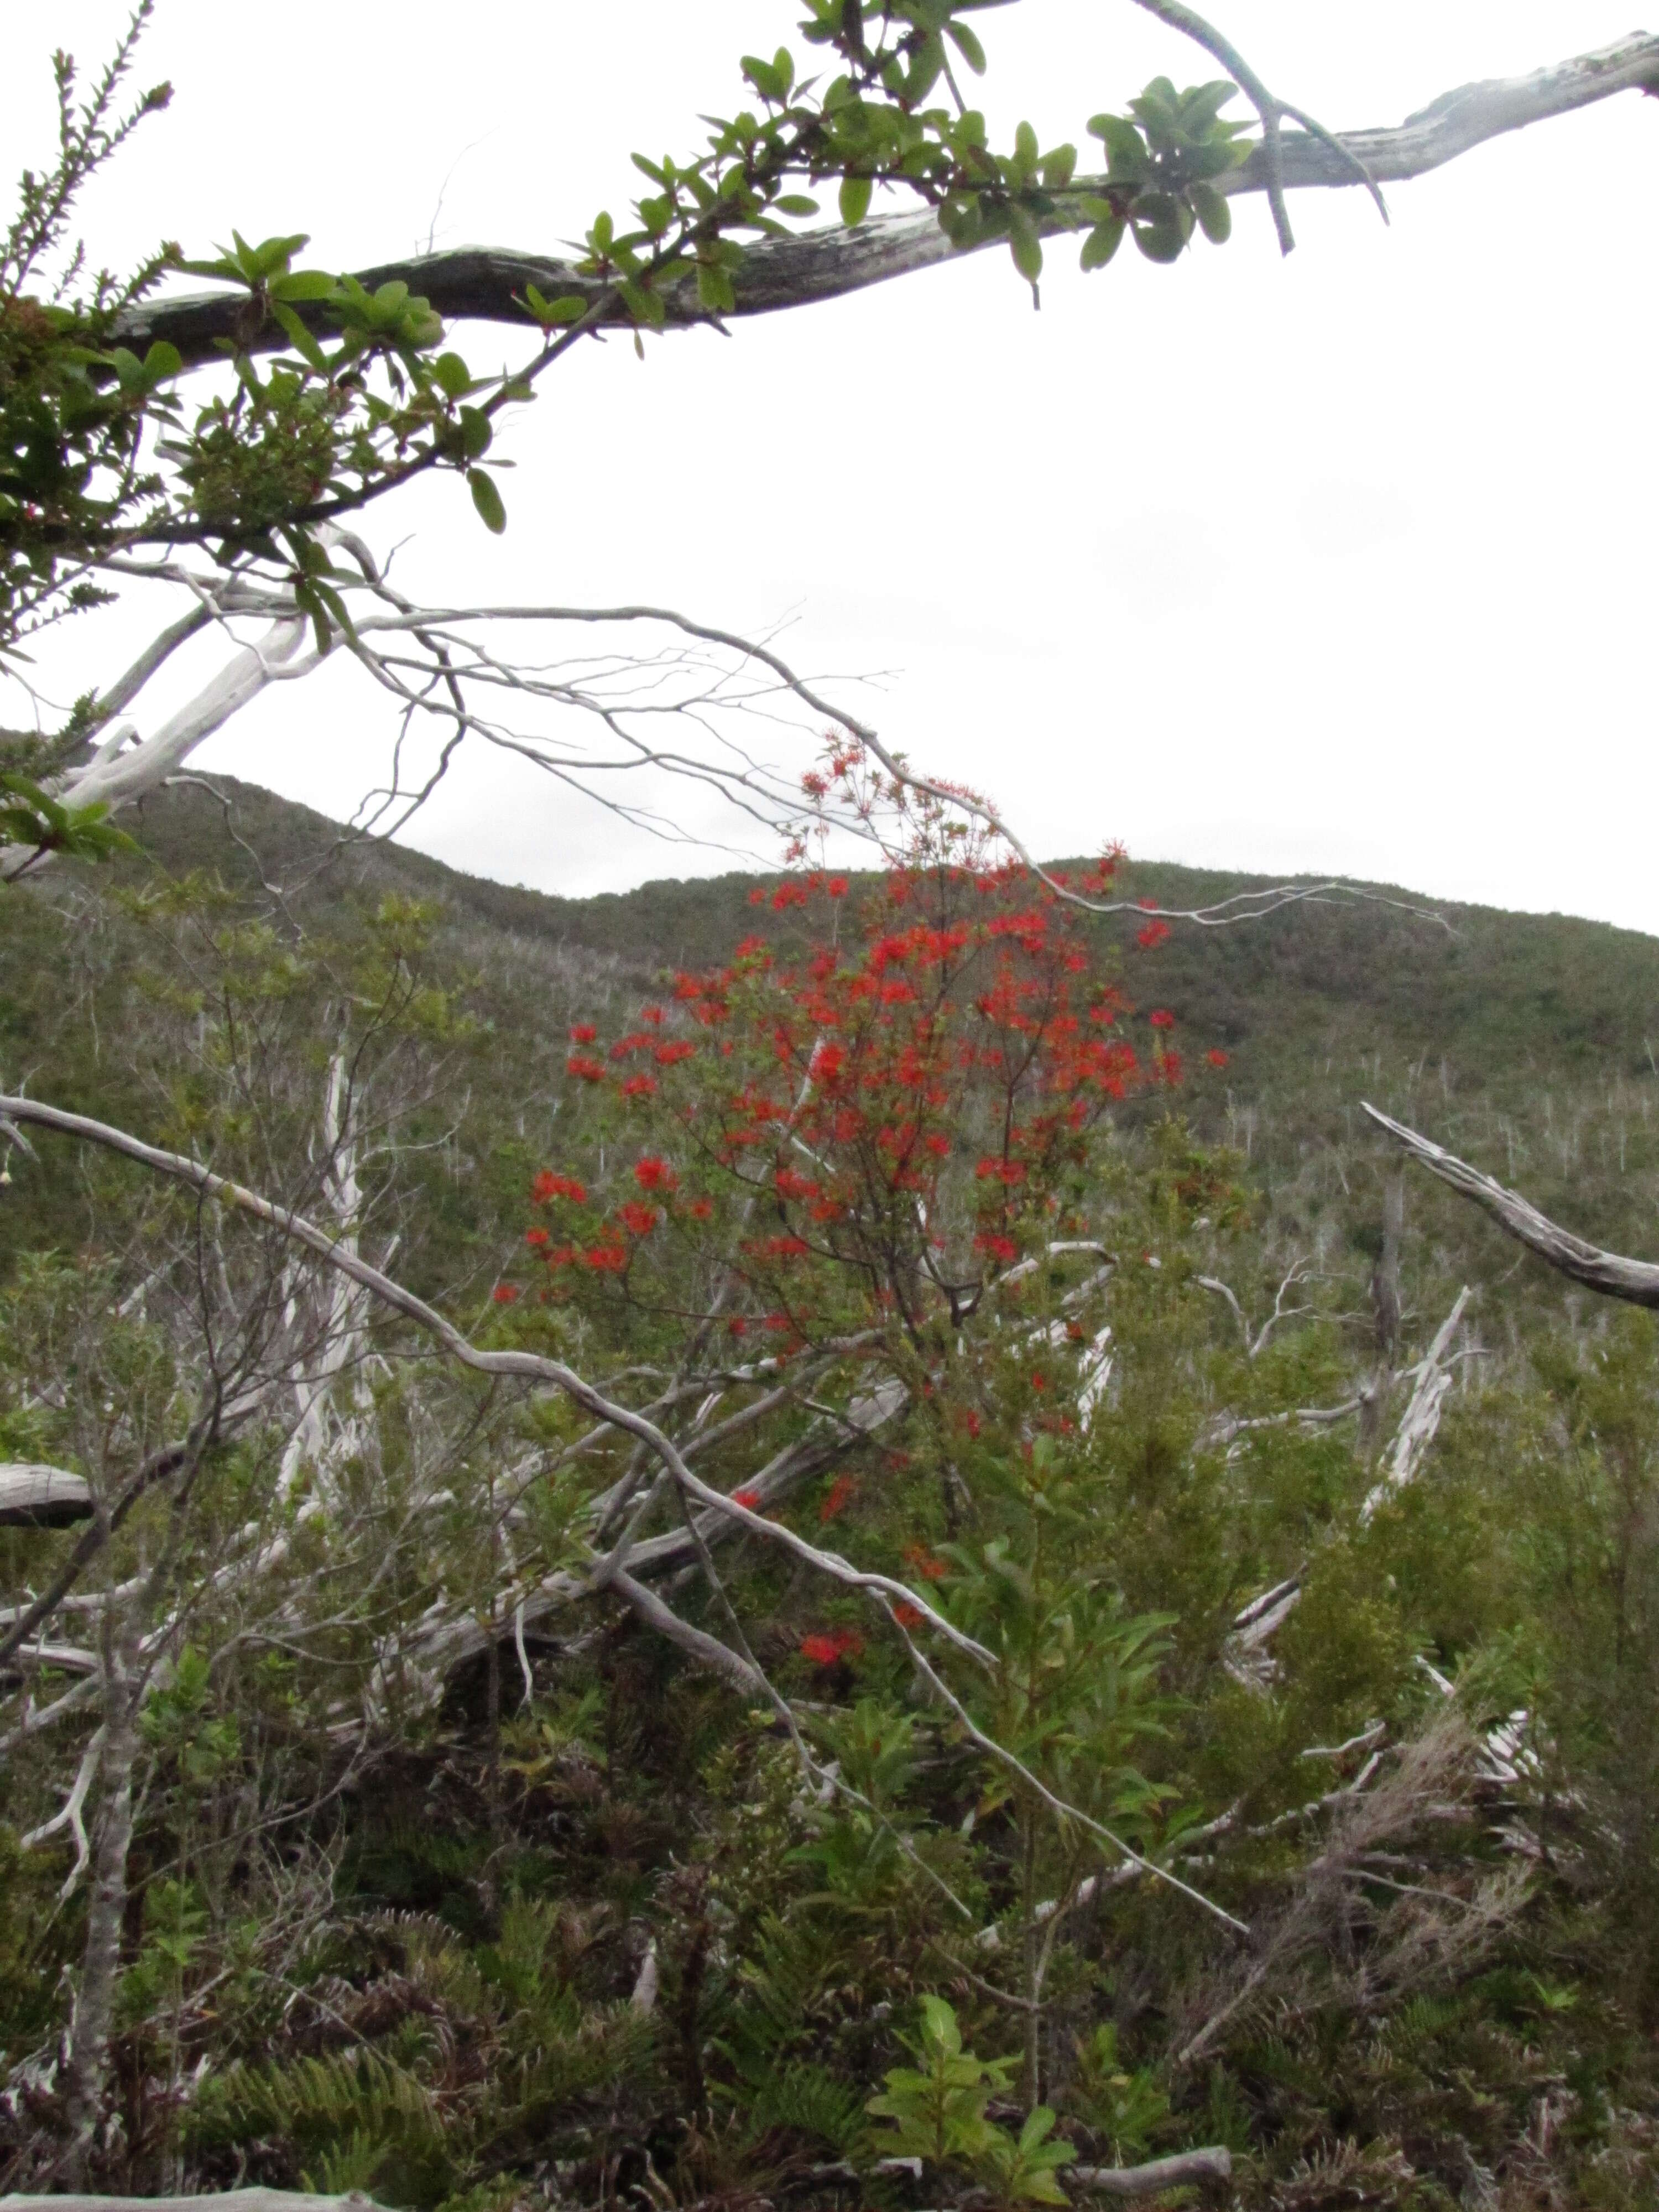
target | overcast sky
x=1342, y=564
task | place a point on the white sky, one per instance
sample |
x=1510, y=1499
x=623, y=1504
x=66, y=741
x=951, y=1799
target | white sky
x=1342, y=564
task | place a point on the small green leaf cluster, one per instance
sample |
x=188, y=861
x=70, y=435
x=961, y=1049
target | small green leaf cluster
x=937, y=2110
x=335, y=422
x=32, y=816
x=870, y=124
x=1164, y=163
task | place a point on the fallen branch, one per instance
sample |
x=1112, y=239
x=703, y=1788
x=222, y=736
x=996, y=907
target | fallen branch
x=1635, y=1281
x=1214, y=2164
x=223, y=2200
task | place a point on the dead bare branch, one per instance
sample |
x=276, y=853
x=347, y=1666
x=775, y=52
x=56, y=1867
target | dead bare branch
x=1634, y=1281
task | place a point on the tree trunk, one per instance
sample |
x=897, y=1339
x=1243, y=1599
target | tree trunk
x=93, y=2012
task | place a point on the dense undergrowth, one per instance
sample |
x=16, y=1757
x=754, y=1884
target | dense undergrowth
x=464, y=1904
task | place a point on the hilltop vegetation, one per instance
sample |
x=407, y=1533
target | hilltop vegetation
x=455, y=1876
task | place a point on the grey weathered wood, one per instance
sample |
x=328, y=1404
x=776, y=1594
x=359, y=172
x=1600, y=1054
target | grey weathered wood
x=224, y=2200
x=486, y=283
x=1635, y=1281
x=35, y=1497
x=1215, y=2163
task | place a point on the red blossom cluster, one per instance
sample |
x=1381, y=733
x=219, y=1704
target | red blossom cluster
x=830, y=1651
x=549, y=1186
x=847, y=1090
x=838, y=1497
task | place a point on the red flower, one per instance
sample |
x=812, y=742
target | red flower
x=638, y=1220
x=676, y=1048
x=652, y=1173
x=1216, y=1057
x=997, y=1247
x=757, y=897
x=747, y=1498
x=1161, y=1018
x=908, y=1615
x=836, y=887
x=505, y=1293
x=783, y=1247
x=1006, y=1172
x=583, y=1033
x=700, y=1208
x=841, y=1491
x=535, y=1236
x=606, y=1259
x=548, y=1185
x=563, y=1256
x=639, y=1086
x=585, y=1068
x=1154, y=934
x=652, y=1014
x=826, y=1650
x=930, y=1569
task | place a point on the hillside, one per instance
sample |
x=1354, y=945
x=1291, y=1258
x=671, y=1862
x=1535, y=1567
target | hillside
x=1155, y=1609
x=1526, y=1039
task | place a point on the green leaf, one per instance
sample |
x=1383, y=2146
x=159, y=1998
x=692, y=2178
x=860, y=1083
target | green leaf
x=714, y=290
x=568, y=308
x=304, y=284
x=795, y=203
x=1215, y=216
x=966, y=46
x=1162, y=225
x=1058, y=167
x=488, y=500
x=1102, y=242
x=767, y=80
x=1126, y=158
x=162, y=362
x=476, y=432
x=854, y=199
x=262, y=262
x=299, y=337
x=1024, y=245
x=451, y=375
